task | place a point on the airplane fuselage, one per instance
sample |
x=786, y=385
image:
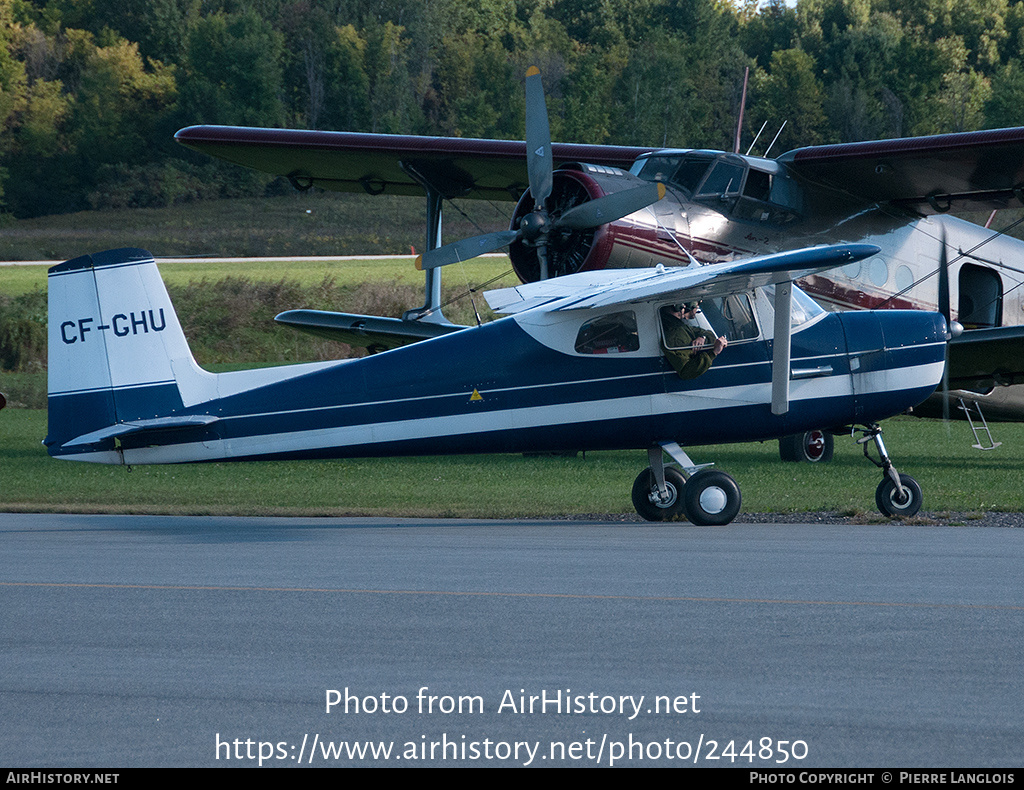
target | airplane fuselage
x=528, y=382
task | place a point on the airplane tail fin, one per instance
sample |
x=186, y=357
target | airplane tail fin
x=118, y=361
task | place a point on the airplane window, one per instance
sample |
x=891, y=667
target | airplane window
x=724, y=179
x=904, y=278
x=731, y=316
x=878, y=271
x=614, y=333
x=690, y=172
x=851, y=270
x=803, y=310
x=758, y=186
x=659, y=168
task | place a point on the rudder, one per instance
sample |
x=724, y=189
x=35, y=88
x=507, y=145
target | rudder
x=117, y=352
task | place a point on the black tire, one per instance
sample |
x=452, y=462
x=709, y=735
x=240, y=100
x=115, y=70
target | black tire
x=643, y=488
x=711, y=498
x=814, y=447
x=888, y=502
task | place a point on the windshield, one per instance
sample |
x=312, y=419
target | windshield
x=804, y=309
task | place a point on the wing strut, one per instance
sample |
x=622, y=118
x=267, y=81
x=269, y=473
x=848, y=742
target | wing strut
x=781, y=348
x=431, y=310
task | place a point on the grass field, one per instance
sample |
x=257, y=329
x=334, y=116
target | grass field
x=314, y=223
x=954, y=477
x=16, y=280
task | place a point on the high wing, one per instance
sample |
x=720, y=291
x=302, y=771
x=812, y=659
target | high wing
x=927, y=174
x=365, y=331
x=587, y=290
x=694, y=282
x=391, y=164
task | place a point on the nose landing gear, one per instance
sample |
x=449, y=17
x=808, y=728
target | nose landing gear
x=898, y=495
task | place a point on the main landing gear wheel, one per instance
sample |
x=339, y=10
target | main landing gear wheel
x=711, y=498
x=647, y=501
x=892, y=504
x=815, y=447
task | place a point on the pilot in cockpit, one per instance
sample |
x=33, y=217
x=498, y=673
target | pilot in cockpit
x=690, y=349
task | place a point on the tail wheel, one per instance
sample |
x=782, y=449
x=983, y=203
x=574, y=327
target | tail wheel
x=647, y=501
x=711, y=498
x=815, y=447
x=892, y=504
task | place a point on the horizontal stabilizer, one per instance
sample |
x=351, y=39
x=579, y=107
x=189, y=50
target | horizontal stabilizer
x=980, y=359
x=363, y=331
x=137, y=427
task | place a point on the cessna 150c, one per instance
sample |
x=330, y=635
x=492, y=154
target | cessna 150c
x=592, y=213
x=576, y=363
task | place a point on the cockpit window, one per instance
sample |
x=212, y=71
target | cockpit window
x=614, y=333
x=758, y=186
x=660, y=168
x=724, y=179
x=804, y=308
x=747, y=188
x=731, y=316
x=690, y=173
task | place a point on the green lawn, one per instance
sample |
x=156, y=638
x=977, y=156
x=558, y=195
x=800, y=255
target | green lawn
x=954, y=477
x=16, y=280
x=314, y=223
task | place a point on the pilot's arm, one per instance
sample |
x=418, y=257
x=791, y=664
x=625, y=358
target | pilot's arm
x=694, y=361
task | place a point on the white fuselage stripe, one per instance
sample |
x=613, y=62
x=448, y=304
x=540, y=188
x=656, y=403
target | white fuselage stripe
x=907, y=378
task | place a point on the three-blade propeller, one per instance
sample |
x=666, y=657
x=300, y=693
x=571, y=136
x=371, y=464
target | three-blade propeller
x=537, y=226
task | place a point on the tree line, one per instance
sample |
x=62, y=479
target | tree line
x=92, y=91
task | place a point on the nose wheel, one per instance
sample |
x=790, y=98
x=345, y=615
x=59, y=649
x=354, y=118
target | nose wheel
x=898, y=495
x=894, y=504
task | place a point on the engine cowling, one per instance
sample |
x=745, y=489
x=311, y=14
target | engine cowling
x=569, y=250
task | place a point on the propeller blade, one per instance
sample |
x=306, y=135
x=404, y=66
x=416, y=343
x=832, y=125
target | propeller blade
x=538, y=138
x=465, y=249
x=944, y=279
x=611, y=207
x=945, y=310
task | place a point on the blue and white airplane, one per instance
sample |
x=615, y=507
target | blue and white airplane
x=577, y=363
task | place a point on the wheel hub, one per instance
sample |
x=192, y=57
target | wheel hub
x=815, y=445
x=669, y=498
x=713, y=500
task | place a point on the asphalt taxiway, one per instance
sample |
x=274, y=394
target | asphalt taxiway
x=163, y=641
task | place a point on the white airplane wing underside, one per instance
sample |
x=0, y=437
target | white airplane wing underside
x=589, y=290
